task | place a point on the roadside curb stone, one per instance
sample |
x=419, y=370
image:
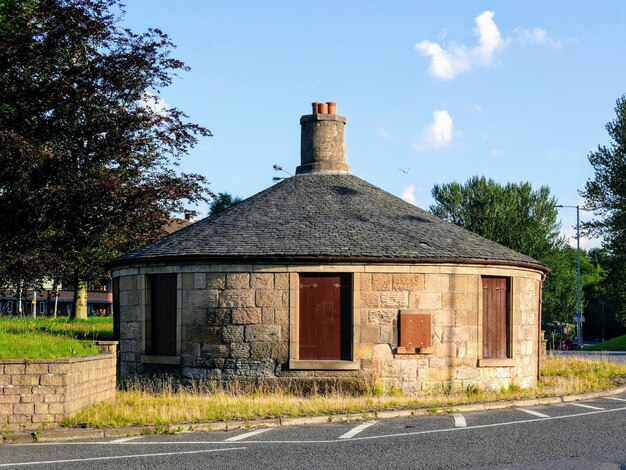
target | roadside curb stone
x=50, y=435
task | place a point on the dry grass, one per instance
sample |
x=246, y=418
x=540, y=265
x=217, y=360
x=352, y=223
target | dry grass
x=165, y=404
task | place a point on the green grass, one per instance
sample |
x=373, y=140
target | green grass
x=42, y=346
x=614, y=344
x=43, y=338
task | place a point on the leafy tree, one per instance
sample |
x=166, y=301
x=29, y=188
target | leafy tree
x=560, y=290
x=221, y=202
x=605, y=195
x=513, y=215
x=88, y=152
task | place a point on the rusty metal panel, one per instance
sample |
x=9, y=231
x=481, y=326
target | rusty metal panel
x=415, y=330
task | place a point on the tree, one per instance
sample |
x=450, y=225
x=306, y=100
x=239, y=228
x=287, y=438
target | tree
x=560, y=291
x=605, y=195
x=221, y=202
x=513, y=215
x=88, y=150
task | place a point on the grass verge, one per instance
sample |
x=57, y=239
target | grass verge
x=614, y=344
x=171, y=405
x=43, y=338
x=42, y=346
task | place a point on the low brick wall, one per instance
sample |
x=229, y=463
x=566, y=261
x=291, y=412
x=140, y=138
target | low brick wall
x=34, y=392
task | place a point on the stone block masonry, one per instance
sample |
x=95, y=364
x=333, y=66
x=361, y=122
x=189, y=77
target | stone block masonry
x=242, y=322
x=38, y=392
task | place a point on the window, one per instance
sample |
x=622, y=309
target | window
x=161, y=325
x=325, y=317
x=496, y=318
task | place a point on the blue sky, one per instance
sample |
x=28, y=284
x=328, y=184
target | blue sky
x=515, y=91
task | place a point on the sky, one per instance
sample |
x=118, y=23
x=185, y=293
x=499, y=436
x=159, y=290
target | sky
x=514, y=91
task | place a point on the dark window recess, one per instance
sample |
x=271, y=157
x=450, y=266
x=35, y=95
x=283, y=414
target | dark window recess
x=325, y=317
x=116, y=309
x=496, y=322
x=163, y=314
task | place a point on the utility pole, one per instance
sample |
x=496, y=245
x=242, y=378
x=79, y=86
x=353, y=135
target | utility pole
x=579, y=317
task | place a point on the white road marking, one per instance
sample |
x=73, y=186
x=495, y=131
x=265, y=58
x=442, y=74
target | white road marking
x=330, y=441
x=459, y=421
x=587, y=406
x=124, y=439
x=360, y=428
x=241, y=437
x=117, y=457
x=616, y=399
x=534, y=413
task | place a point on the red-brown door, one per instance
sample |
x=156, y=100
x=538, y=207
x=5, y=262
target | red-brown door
x=325, y=317
x=163, y=318
x=495, y=317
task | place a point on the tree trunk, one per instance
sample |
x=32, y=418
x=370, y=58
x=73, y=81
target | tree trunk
x=79, y=304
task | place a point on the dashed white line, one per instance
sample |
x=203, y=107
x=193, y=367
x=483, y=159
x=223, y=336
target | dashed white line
x=124, y=439
x=241, y=437
x=534, y=413
x=331, y=441
x=616, y=399
x=587, y=406
x=360, y=428
x=117, y=457
x=459, y=421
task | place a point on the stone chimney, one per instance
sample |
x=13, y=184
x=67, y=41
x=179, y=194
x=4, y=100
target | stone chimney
x=322, y=148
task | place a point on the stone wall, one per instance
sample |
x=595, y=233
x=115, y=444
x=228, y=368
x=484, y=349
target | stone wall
x=37, y=392
x=454, y=301
x=234, y=322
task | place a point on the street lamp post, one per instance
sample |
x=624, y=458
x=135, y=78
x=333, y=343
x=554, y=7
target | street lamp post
x=579, y=329
x=277, y=167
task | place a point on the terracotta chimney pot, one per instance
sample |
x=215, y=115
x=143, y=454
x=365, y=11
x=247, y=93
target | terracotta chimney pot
x=332, y=107
x=322, y=108
x=316, y=106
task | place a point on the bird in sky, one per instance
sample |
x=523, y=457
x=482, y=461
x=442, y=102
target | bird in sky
x=405, y=170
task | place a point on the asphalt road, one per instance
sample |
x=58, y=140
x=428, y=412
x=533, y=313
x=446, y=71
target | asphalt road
x=582, y=435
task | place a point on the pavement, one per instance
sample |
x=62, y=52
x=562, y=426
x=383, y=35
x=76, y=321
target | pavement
x=69, y=434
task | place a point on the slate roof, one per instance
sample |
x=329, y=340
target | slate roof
x=333, y=217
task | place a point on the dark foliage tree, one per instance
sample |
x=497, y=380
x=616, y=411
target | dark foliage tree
x=88, y=152
x=513, y=215
x=221, y=202
x=605, y=195
x=560, y=294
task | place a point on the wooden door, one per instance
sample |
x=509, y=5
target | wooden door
x=325, y=317
x=163, y=318
x=495, y=317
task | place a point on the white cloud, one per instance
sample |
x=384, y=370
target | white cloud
x=154, y=103
x=437, y=134
x=452, y=59
x=408, y=194
x=386, y=135
x=537, y=36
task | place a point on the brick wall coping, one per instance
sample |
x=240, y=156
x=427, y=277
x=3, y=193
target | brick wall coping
x=56, y=360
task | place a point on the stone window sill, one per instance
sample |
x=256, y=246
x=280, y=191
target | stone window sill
x=496, y=362
x=166, y=360
x=324, y=365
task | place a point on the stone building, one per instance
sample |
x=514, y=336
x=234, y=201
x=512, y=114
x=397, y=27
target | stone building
x=324, y=275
